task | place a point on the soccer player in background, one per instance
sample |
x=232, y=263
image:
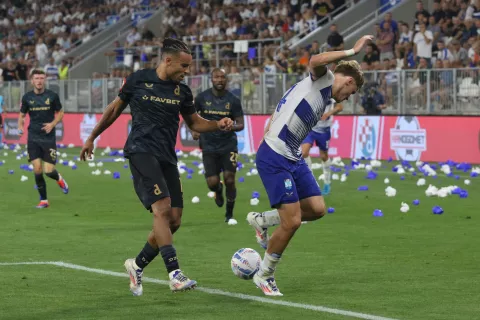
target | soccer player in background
x=292, y=189
x=45, y=111
x=220, y=149
x=156, y=97
x=321, y=135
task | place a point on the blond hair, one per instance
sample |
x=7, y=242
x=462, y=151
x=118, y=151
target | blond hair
x=352, y=69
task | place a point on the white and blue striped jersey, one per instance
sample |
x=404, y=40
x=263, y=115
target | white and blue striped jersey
x=324, y=125
x=297, y=113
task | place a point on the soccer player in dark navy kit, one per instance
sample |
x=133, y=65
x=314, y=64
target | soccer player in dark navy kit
x=156, y=97
x=45, y=111
x=219, y=149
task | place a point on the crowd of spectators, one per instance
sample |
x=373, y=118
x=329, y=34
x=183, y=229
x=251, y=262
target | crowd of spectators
x=40, y=33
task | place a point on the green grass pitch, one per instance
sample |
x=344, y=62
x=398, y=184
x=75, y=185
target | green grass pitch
x=413, y=265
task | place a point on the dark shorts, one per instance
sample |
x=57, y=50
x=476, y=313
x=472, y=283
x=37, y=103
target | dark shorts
x=214, y=163
x=154, y=180
x=44, y=150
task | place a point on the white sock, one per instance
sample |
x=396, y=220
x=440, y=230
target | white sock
x=326, y=171
x=271, y=218
x=308, y=160
x=269, y=264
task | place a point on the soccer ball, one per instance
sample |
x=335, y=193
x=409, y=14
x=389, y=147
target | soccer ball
x=245, y=262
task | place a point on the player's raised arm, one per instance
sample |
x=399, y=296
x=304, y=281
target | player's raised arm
x=318, y=63
x=111, y=113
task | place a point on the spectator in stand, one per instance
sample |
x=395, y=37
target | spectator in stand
x=335, y=39
x=423, y=44
x=371, y=55
x=437, y=14
x=51, y=70
x=393, y=24
x=10, y=72
x=322, y=8
x=385, y=42
x=315, y=48
x=133, y=36
x=421, y=13
x=436, y=31
x=22, y=69
x=443, y=52
x=473, y=11
x=474, y=55
x=460, y=55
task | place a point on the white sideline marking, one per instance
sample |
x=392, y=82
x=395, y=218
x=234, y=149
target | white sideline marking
x=209, y=290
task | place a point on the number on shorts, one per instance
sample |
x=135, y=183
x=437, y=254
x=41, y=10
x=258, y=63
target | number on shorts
x=327, y=143
x=53, y=154
x=157, y=190
x=233, y=157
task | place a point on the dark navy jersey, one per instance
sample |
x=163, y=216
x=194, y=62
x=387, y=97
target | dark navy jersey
x=212, y=107
x=155, y=106
x=41, y=109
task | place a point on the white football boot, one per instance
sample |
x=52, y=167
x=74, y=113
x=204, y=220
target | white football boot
x=135, y=277
x=255, y=219
x=267, y=284
x=180, y=282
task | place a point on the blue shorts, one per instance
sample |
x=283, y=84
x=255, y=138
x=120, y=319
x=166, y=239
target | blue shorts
x=285, y=181
x=321, y=139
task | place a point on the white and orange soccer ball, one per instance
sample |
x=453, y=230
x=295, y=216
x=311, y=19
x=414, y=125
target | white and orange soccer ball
x=245, y=263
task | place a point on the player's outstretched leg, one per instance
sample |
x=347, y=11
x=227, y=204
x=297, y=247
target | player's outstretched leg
x=215, y=185
x=41, y=184
x=150, y=251
x=327, y=172
x=52, y=173
x=290, y=220
x=231, y=193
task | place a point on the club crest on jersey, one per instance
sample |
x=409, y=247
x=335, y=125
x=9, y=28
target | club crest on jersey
x=227, y=106
x=177, y=91
x=288, y=184
x=149, y=85
x=47, y=102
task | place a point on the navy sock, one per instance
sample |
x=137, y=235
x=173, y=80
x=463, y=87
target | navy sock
x=146, y=256
x=231, y=195
x=169, y=256
x=53, y=175
x=41, y=186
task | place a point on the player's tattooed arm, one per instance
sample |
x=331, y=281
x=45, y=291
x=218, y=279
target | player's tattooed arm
x=111, y=113
x=318, y=63
x=201, y=125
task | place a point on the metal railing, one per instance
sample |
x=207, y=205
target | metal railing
x=415, y=92
x=213, y=54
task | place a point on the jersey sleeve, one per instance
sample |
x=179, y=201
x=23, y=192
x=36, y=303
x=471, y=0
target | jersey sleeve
x=57, y=105
x=187, y=107
x=128, y=85
x=24, y=105
x=237, y=110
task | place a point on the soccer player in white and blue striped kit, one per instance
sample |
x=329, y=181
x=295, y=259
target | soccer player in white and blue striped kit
x=291, y=187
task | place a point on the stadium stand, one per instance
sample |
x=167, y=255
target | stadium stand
x=34, y=32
